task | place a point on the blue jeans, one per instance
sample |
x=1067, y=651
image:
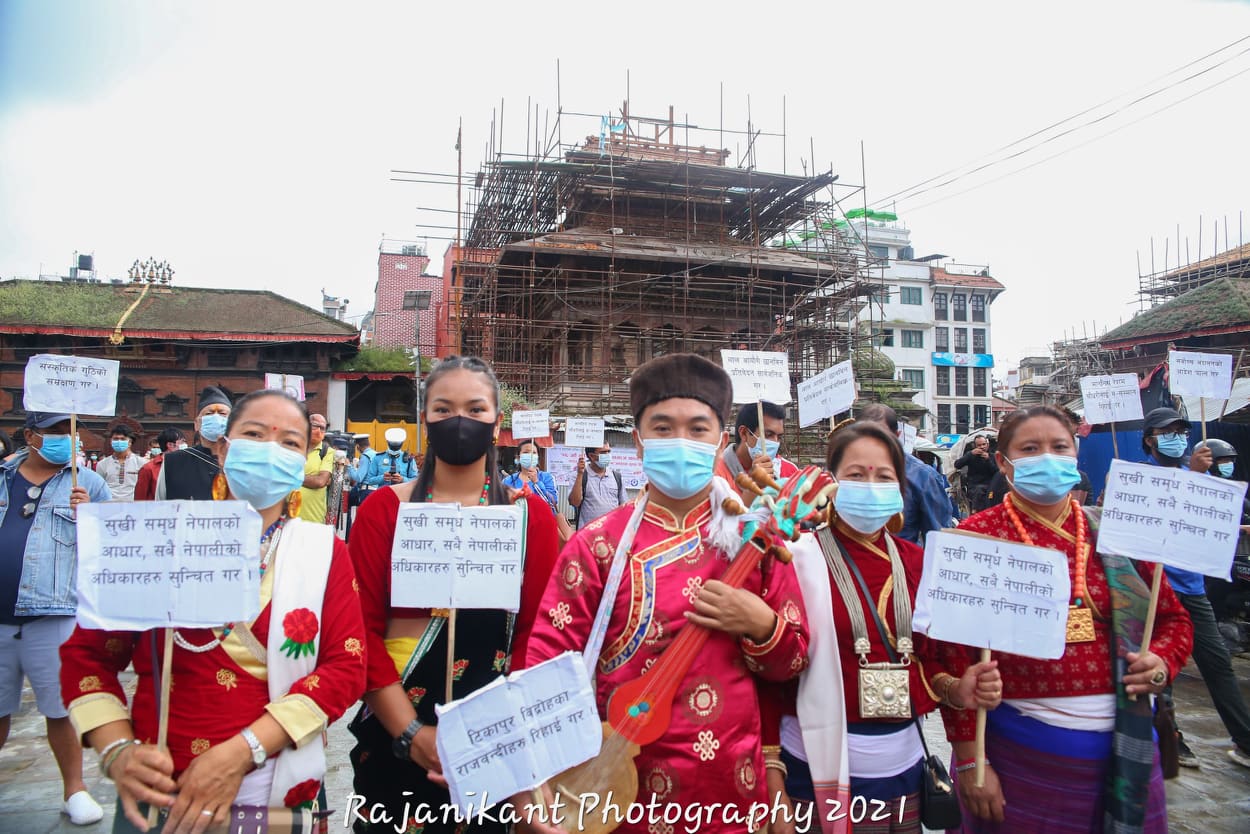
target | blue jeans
x=1215, y=664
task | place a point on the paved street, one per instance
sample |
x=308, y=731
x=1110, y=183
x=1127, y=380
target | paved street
x=1212, y=800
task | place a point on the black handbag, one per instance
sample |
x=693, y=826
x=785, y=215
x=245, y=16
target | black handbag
x=939, y=804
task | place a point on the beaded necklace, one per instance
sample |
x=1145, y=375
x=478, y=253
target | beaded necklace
x=481, y=501
x=1082, y=552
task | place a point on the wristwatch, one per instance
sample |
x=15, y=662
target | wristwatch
x=401, y=746
x=258, y=750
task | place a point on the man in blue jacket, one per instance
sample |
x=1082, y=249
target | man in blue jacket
x=38, y=600
x=926, y=505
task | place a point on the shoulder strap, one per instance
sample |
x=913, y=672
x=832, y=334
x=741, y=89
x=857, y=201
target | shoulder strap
x=599, y=628
x=577, y=511
x=619, y=486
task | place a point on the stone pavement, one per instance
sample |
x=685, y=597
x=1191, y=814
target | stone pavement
x=1212, y=800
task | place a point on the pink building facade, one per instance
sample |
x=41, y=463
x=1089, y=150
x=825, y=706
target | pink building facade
x=401, y=268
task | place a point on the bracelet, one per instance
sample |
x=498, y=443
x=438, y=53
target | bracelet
x=960, y=768
x=771, y=750
x=112, y=752
x=951, y=681
x=777, y=765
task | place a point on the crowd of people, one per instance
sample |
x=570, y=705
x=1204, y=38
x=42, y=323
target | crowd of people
x=770, y=711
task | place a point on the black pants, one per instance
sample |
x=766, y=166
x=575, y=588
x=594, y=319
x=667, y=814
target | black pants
x=1215, y=664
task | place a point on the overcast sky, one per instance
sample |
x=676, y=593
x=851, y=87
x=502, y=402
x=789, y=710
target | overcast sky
x=251, y=144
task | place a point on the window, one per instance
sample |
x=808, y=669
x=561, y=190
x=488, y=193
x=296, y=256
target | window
x=879, y=251
x=943, y=380
x=982, y=414
x=944, y=418
x=978, y=340
x=978, y=308
x=911, y=295
x=913, y=338
x=961, y=419
x=960, y=303
x=914, y=377
x=978, y=385
x=885, y=338
x=880, y=295
x=961, y=382
x=221, y=358
x=942, y=339
x=961, y=340
x=939, y=306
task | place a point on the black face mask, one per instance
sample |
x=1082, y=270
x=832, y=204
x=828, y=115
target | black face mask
x=460, y=441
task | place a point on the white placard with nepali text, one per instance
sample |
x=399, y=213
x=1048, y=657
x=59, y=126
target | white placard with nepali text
x=448, y=556
x=562, y=464
x=1183, y=519
x=517, y=732
x=827, y=394
x=758, y=375
x=1111, y=398
x=71, y=385
x=290, y=383
x=907, y=434
x=994, y=594
x=527, y=425
x=1208, y=375
x=583, y=431
x=157, y=564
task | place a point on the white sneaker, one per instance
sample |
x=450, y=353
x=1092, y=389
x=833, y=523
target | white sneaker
x=1240, y=756
x=82, y=809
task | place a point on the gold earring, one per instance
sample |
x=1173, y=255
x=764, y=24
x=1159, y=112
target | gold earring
x=220, y=488
x=293, y=503
x=895, y=523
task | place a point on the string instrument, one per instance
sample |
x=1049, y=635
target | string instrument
x=639, y=711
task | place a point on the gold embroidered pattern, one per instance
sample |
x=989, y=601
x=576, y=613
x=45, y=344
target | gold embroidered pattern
x=706, y=746
x=573, y=577
x=658, y=782
x=702, y=702
x=745, y=773
x=114, y=645
x=312, y=681
x=200, y=745
x=790, y=612
x=693, y=585
x=89, y=684
x=560, y=616
x=227, y=679
x=353, y=647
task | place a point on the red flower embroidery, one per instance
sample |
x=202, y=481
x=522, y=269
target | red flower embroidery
x=501, y=660
x=302, y=795
x=300, y=627
x=457, y=669
x=416, y=694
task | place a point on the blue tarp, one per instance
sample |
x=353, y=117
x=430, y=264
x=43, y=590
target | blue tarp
x=1095, y=455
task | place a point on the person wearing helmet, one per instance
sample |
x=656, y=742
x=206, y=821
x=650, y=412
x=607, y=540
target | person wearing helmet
x=1165, y=437
x=1223, y=456
x=394, y=466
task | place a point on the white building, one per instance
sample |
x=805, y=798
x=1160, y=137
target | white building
x=934, y=323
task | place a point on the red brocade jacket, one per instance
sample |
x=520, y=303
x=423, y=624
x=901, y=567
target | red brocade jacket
x=217, y=693
x=711, y=750
x=1085, y=668
x=373, y=532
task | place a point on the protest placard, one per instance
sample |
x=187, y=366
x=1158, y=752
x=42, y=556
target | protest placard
x=758, y=375
x=1208, y=375
x=517, y=732
x=827, y=394
x=907, y=436
x=1184, y=519
x=448, y=556
x=527, y=425
x=1111, y=398
x=583, y=431
x=290, y=383
x=562, y=464
x=179, y=564
x=71, y=385
x=994, y=594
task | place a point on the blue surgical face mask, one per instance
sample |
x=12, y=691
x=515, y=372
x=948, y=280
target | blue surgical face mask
x=604, y=460
x=764, y=446
x=212, y=427
x=1226, y=469
x=56, y=448
x=1172, y=445
x=120, y=445
x=262, y=473
x=676, y=466
x=1045, y=479
x=528, y=460
x=866, y=507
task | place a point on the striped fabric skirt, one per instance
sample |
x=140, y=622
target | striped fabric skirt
x=878, y=806
x=1049, y=792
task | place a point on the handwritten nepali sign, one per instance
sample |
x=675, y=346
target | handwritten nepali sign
x=517, y=732
x=1183, y=519
x=71, y=385
x=526, y=425
x=290, y=383
x=562, y=464
x=758, y=375
x=827, y=394
x=994, y=594
x=180, y=564
x=1112, y=398
x=448, y=556
x=583, y=431
x=907, y=434
x=1208, y=375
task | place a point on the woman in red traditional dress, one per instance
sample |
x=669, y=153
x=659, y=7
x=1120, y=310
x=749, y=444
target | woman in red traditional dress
x=253, y=700
x=849, y=739
x=1070, y=748
x=397, y=769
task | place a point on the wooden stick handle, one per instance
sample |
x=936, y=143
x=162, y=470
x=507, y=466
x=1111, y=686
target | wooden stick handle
x=980, y=754
x=1149, y=628
x=451, y=652
x=162, y=732
x=1202, y=409
x=1115, y=443
x=73, y=450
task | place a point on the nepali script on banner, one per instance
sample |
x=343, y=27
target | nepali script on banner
x=1183, y=519
x=527, y=425
x=448, y=556
x=71, y=385
x=517, y=732
x=827, y=394
x=758, y=375
x=1206, y=375
x=586, y=432
x=562, y=464
x=157, y=564
x=994, y=594
x=1111, y=398
x=290, y=383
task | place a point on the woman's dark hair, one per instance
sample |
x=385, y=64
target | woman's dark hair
x=1013, y=421
x=497, y=494
x=842, y=438
x=525, y=443
x=242, y=406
